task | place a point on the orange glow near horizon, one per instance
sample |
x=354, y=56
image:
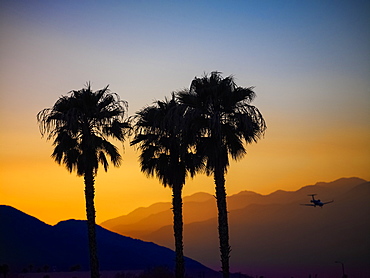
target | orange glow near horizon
x=35, y=184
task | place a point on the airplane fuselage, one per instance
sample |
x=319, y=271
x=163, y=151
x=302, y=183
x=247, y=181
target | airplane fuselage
x=317, y=203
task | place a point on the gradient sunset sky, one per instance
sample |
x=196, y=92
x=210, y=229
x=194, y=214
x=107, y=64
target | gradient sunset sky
x=308, y=60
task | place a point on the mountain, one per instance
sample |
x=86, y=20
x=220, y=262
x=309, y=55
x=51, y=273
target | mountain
x=25, y=240
x=273, y=235
x=285, y=239
x=202, y=206
x=142, y=221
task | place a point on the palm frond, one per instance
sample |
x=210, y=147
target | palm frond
x=222, y=116
x=103, y=160
x=79, y=124
x=160, y=135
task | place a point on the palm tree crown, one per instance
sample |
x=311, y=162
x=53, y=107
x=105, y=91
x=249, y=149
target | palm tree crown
x=161, y=137
x=80, y=125
x=223, y=118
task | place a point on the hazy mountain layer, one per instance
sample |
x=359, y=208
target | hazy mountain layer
x=272, y=234
x=142, y=221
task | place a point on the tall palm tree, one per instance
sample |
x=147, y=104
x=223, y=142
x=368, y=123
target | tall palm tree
x=4, y=269
x=165, y=153
x=223, y=122
x=80, y=125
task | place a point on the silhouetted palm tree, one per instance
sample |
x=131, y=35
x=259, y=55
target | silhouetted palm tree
x=4, y=269
x=80, y=125
x=223, y=121
x=159, y=133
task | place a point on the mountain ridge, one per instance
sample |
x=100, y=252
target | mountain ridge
x=276, y=225
x=280, y=237
x=65, y=244
x=160, y=214
x=270, y=234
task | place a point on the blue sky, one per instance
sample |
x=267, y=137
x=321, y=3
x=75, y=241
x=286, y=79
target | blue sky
x=162, y=45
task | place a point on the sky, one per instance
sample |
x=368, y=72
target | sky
x=309, y=62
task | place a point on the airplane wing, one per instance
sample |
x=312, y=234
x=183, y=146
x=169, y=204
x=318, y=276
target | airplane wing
x=311, y=205
x=328, y=202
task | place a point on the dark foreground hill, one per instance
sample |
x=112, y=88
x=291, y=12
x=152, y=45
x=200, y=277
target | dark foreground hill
x=273, y=235
x=25, y=241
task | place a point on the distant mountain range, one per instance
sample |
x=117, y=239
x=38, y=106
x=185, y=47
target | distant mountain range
x=25, y=241
x=271, y=235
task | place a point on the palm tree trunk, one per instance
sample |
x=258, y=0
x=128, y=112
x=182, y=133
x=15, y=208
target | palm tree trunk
x=223, y=226
x=178, y=228
x=90, y=213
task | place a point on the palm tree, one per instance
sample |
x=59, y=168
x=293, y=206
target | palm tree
x=4, y=269
x=80, y=125
x=160, y=136
x=223, y=121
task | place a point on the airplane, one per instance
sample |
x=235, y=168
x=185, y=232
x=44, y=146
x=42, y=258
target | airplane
x=316, y=202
